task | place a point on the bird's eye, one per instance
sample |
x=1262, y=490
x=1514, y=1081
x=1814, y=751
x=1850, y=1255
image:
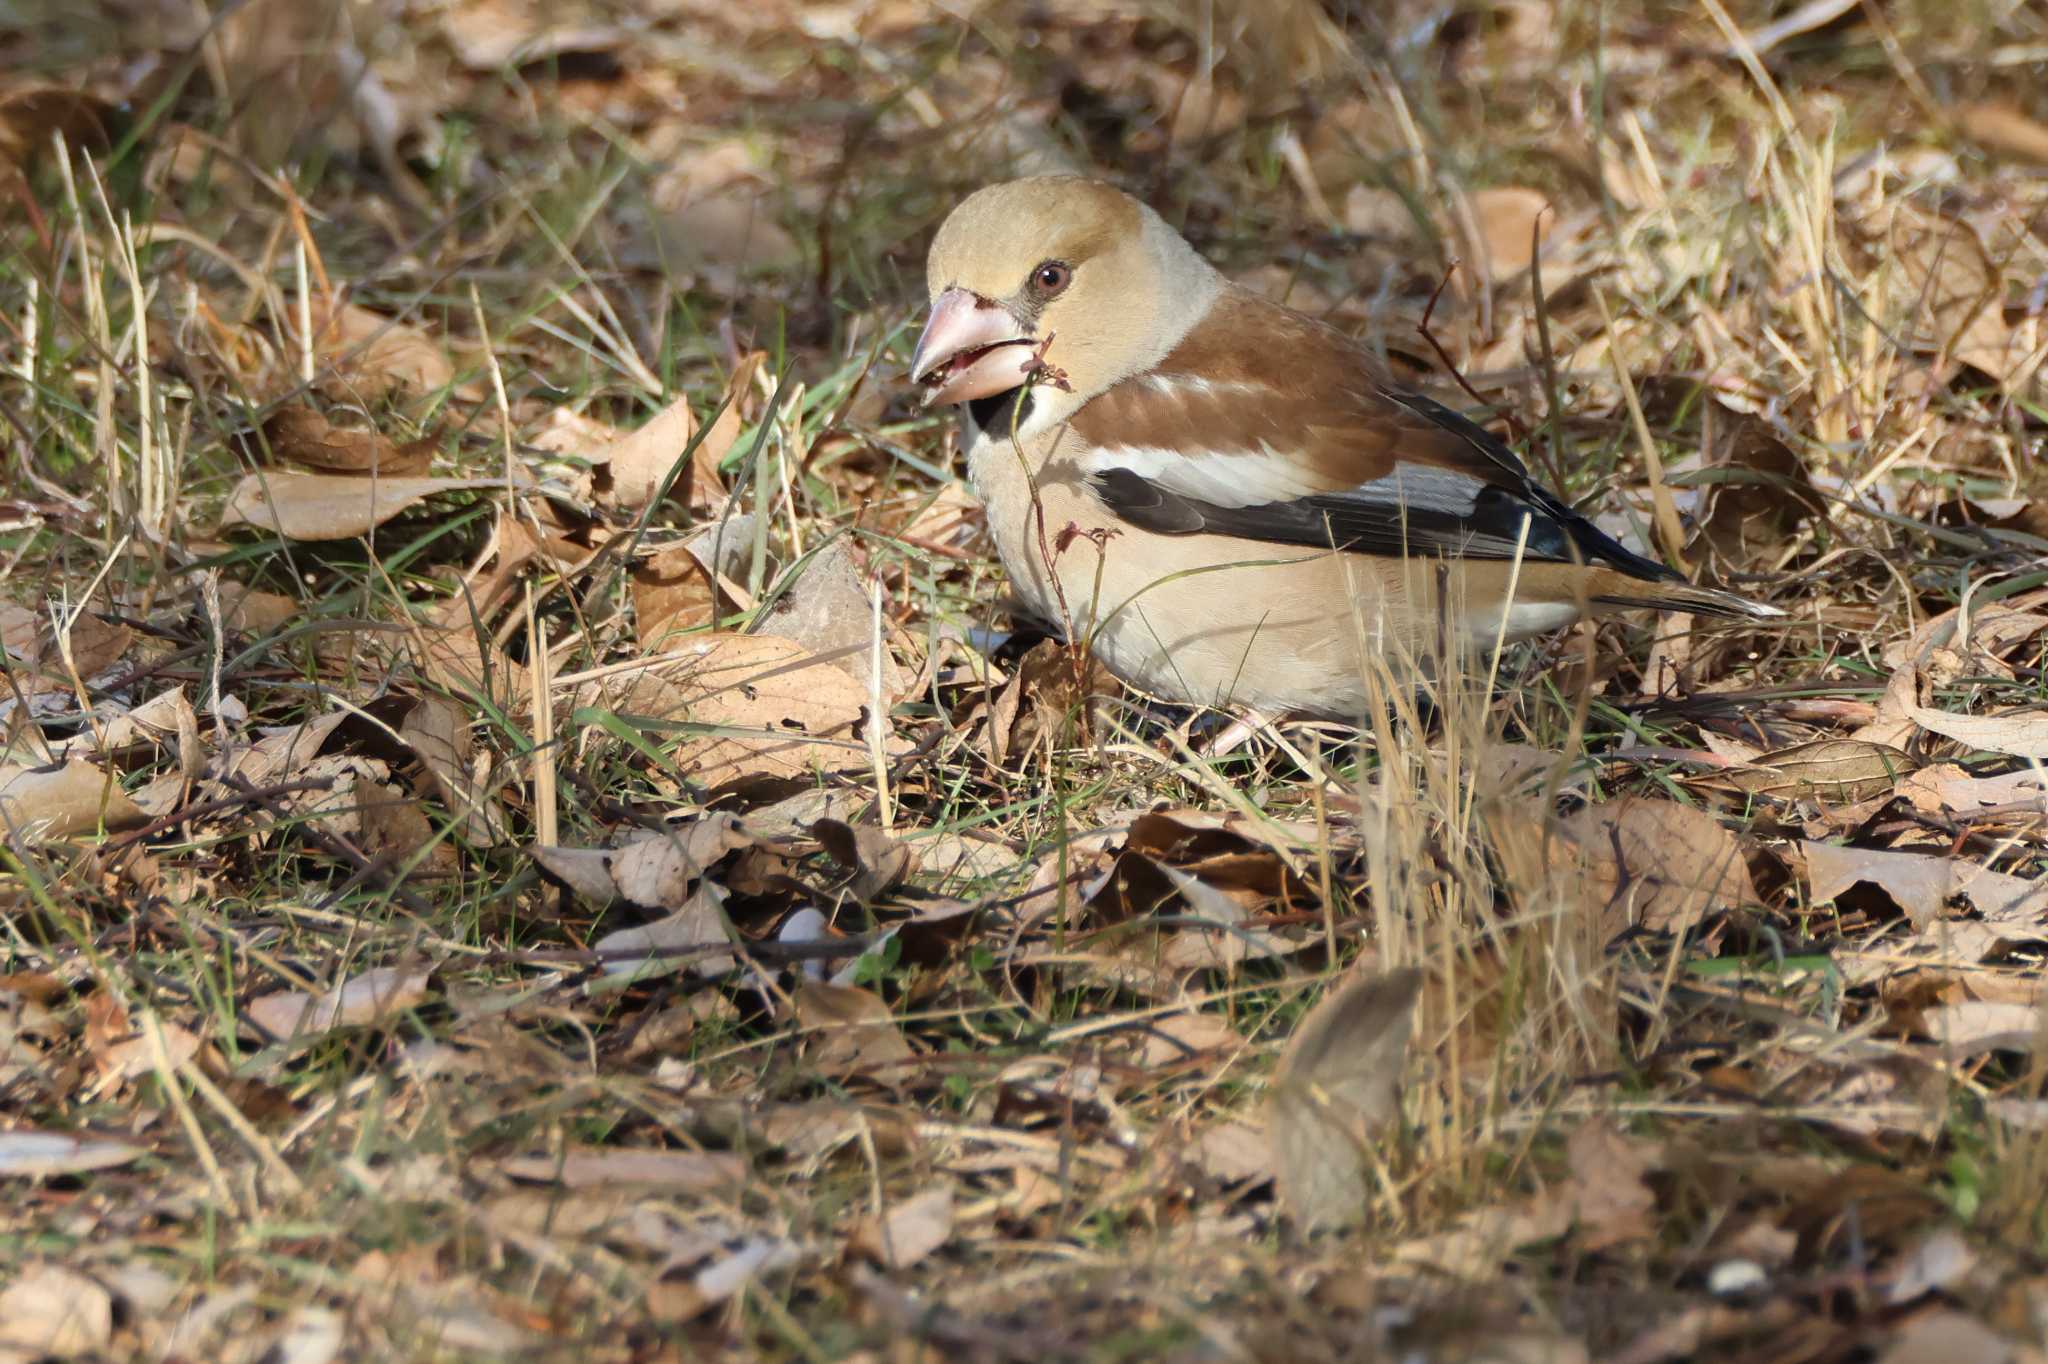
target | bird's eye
x=1051, y=278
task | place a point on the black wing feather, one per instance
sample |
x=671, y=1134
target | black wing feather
x=1369, y=521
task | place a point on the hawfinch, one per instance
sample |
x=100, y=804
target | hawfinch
x=1231, y=501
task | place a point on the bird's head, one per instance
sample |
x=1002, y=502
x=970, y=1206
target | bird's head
x=1059, y=277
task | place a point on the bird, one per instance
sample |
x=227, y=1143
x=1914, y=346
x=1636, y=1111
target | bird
x=1230, y=501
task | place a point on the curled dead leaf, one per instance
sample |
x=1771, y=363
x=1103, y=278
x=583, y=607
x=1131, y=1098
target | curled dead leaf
x=658, y=871
x=437, y=728
x=1922, y=884
x=876, y=860
x=304, y=436
x=1613, y=1203
x=1947, y=296
x=695, y=938
x=2024, y=734
x=496, y=35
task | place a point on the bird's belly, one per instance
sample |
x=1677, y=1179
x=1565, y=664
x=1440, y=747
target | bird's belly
x=1209, y=620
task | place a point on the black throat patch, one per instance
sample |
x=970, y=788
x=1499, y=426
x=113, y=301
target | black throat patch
x=1001, y=413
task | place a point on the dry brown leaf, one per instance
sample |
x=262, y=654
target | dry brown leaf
x=1762, y=490
x=2005, y=127
x=31, y=115
x=716, y=216
x=369, y=998
x=438, y=730
x=725, y=428
x=1234, y=1151
x=2024, y=734
x=1508, y=216
x=1923, y=885
x=828, y=610
x=166, y=719
x=377, y=355
x=965, y=858
x=39, y=804
x=877, y=861
x=256, y=612
x=695, y=1172
x=587, y=871
x=456, y=654
x=1970, y=1026
x=1372, y=211
x=494, y=35
x=1948, y=297
x=26, y=1153
x=1945, y=1336
x=1338, y=1085
x=911, y=1229
x=1487, y=1238
x=695, y=938
x=1659, y=863
x=304, y=436
x=1948, y=788
x=1190, y=1037
x=21, y=632
x=782, y=714
x=1612, y=1203
x=1235, y=939
x=658, y=871
x=132, y=1056
x=674, y=593
x=1838, y=771
x=280, y=751
x=52, y=1311
x=94, y=645
x=1511, y=769
x=461, y=1314
x=688, y=586
x=639, y=460
x=852, y=1031
x=331, y=506
x=392, y=825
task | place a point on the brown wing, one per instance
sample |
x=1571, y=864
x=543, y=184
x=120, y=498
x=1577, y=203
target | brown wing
x=1266, y=424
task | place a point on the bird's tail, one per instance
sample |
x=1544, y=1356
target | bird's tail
x=1681, y=596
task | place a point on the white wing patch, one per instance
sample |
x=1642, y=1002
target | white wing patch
x=1423, y=487
x=1248, y=479
x=1237, y=479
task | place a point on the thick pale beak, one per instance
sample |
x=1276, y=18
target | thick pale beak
x=970, y=349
